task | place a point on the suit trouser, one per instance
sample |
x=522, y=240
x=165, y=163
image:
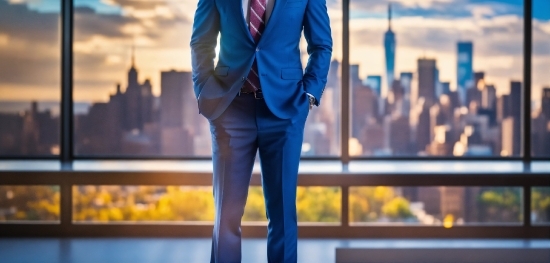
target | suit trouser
x=245, y=127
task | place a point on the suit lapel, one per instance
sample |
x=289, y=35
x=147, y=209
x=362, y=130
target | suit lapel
x=277, y=8
x=237, y=8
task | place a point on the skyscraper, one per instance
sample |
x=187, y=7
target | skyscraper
x=138, y=100
x=332, y=79
x=541, y=126
x=177, y=113
x=375, y=84
x=464, y=74
x=406, y=83
x=354, y=75
x=473, y=94
x=515, y=104
x=132, y=112
x=406, y=79
x=445, y=88
x=546, y=102
x=489, y=97
x=438, y=87
x=176, y=99
x=389, y=47
x=427, y=71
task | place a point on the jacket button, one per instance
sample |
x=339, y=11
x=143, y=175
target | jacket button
x=242, y=78
x=257, y=49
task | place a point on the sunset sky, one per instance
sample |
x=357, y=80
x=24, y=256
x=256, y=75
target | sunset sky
x=105, y=31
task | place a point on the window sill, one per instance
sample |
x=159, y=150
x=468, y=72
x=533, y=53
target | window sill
x=306, y=166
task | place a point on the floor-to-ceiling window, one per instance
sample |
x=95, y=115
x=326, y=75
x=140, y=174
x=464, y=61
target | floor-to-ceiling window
x=436, y=78
x=540, y=91
x=133, y=87
x=30, y=74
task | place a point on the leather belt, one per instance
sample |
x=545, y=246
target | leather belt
x=257, y=94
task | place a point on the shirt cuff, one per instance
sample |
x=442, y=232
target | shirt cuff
x=312, y=98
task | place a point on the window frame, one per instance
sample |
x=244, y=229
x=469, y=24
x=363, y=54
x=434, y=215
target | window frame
x=66, y=178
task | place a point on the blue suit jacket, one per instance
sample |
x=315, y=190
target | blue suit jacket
x=283, y=82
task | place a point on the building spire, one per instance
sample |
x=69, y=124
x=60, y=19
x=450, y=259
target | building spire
x=133, y=55
x=389, y=16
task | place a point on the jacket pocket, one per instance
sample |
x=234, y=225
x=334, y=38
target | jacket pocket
x=221, y=71
x=292, y=73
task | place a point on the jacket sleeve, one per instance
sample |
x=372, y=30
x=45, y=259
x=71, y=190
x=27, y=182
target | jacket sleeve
x=206, y=27
x=319, y=47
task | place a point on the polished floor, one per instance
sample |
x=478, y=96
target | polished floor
x=196, y=250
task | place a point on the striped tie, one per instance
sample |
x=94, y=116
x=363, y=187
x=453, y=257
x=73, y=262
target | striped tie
x=256, y=27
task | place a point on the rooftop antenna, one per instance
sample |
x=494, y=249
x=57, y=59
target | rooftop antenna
x=133, y=53
x=389, y=16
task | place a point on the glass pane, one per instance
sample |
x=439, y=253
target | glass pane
x=116, y=203
x=29, y=77
x=322, y=130
x=29, y=203
x=446, y=206
x=428, y=79
x=133, y=84
x=540, y=205
x=313, y=204
x=316, y=204
x=540, y=97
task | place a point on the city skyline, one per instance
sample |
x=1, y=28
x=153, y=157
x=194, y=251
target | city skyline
x=104, y=33
x=429, y=108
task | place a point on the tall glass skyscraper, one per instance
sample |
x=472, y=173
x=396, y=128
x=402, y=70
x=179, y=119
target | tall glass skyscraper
x=465, y=72
x=389, y=46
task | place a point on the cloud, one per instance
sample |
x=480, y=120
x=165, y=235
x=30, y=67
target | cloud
x=88, y=23
x=498, y=36
x=422, y=3
x=29, y=48
x=15, y=22
x=448, y=9
x=161, y=31
x=498, y=43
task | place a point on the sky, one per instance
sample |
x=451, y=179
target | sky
x=432, y=28
x=105, y=31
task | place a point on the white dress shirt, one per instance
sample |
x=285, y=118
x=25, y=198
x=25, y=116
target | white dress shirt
x=268, y=9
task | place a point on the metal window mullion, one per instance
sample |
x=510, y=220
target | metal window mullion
x=66, y=154
x=345, y=82
x=66, y=112
x=527, y=58
x=527, y=206
x=526, y=122
x=345, y=206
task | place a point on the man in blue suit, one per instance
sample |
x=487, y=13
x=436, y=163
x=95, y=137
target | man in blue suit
x=257, y=98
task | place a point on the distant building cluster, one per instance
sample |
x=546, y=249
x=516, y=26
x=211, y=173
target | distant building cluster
x=135, y=122
x=399, y=114
x=31, y=132
x=430, y=119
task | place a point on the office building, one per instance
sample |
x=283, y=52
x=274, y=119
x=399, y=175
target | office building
x=389, y=50
x=464, y=75
x=427, y=71
x=375, y=84
x=515, y=106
